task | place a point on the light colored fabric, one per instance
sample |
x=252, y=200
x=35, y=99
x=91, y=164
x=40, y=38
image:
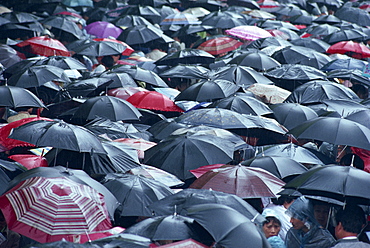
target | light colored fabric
x=284, y=219
x=155, y=55
x=352, y=243
x=19, y=116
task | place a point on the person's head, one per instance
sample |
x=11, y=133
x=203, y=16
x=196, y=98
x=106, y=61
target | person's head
x=321, y=212
x=342, y=150
x=350, y=221
x=271, y=227
x=299, y=225
x=108, y=61
x=360, y=90
x=302, y=214
x=352, y=159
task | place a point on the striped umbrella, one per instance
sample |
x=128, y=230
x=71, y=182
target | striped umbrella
x=49, y=209
x=220, y=45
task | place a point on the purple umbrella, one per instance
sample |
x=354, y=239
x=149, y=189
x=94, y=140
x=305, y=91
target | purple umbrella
x=103, y=30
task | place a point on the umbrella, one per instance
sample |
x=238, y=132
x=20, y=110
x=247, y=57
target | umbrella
x=38, y=75
x=63, y=62
x=250, y=33
x=269, y=41
x=220, y=45
x=126, y=21
x=291, y=115
x=298, y=153
x=348, y=64
x=333, y=130
x=135, y=193
x=101, y=29
x=44, y=46
x=123, y=240
x=16, y=97
x=243, y=104
x=223, y=19
x=190, y=152
x=316, y=44
x=257, y=61
x=153, y=100
x=357, y=50
x=120, y=81
x=125, y=92
x=245, y=182
x=60, y=24
x=100, y=48
x=20, y=17
x=241, y=75
x=159, y=175
x=162, y=129
x=78, y=3
x=186, y=71
x=30, y=161
x=180, y=19
x=208, y=90
x=169, y=227
x=128, y=50
x=142, y=34
x=349, y=184
x=269, y=93
x=59, y=207
x=147, y=12
x=109, y=107
x=140, y=145
x=342, y=107
x=345, y=35
x=197, y=11
x=281, y=167
x=319, y=90
x=362, y=117
x=186, y=56
x=179, y=202
x=229, y=228
x=58, y=134
x=8, y=56
x=354, y=15
x=9, y=170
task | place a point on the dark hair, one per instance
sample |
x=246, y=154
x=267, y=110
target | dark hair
x=282, y=199
x=352, y=218
x=107, y=61
x=271, y=219
x=357, y=161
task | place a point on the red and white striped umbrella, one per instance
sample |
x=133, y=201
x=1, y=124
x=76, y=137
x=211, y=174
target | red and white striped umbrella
x=49, y=209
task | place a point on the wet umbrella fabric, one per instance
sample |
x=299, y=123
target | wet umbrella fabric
x=9, y=170
x=100, y=48
x=350, y=47
x=44, y=46
x=186, y=56
x=220, y=45
x=354, y=15
x=135, y=193
x=349, y=64
x=186, y=71
x=58, y=134
x=142, y=34
x=63, y=62
x=333, y=130
x=59, y=23
x=257, y=61
x=8, y=56
x=102, y=29
x=316, y=44
x=345, y=35
x=245, y=182
x=179, y=202
x=190, y=152
x=16, y=97
x=245, y=32
x=350, y=183
x=153, y=100
x=295, y=72
x=60, y=207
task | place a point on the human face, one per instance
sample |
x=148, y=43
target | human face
x=271, y=229
x=298, y=224
x=321, y=213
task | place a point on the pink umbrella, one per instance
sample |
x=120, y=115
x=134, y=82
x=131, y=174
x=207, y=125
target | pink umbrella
x=103, y=29
x=30, y=161
x=250, y=33
x=125, y=92
x=140, y=145
x=203, y=169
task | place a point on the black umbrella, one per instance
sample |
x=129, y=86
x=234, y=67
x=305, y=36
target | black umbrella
x=208, y=91
x=227, y=226
x=349, y=64
x=8, y=56
x=316, y=44
x=321, y=30
x=354, y=15
x=135, y=193
x=122, y=240
x=191, y=29
x=100, y=48
x=162, y=129
x=354, y=75
x=301, y=19
x=186, y=71
x=348, y=185
x=362, y=117
x=272, y=24
x=110, y=107
x=243, y=104
x=60, y=24
x=130, y=21
x=142, y=34
x=21, y=65
x=334, y=130
x=291, y=10
x=189, y=152
x=88, y=87
x=38, y=75
x=169, y=227
x=342, y=107
x=223, y=20
x=292, y=114
x=269, y=41
x=119, y=80
x=241, y=75
x=257, y=61
x=9, y=170
x=179, y=202
x=186, y=56
x=62, y=244
x=66, y=63
x=319, y=90
x=58, y=134
x=329, y=19
x=282, y=167
x=20, y=17
x=16, y=97
x=344, y=35
x=147, y=12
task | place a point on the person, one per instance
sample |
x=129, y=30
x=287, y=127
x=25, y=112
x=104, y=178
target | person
x=350, y=222
x=22, y=112
x=271, y=228
x=306, y=231
x=8, y=238
x=322, y=212
x=352, y=159
x=361, y=91
x=158, y=51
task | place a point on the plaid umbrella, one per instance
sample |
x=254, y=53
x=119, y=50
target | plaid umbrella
x=48, y=209
x=220, y=45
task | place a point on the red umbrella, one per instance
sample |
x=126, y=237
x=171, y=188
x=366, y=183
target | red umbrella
x=44, y=46
x=245, y=182
x=353, y=49
x=50, y=209
x=125, y=92
x=140, y=145
x=7, y=143
x=30, y=161
x=153, y=100
x=220, y=45
x=126, y=52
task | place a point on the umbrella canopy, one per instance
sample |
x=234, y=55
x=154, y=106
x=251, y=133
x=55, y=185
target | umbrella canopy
x=60, y=24
x=58, y=134
x=181, y=18
x=142, y=34
x=353, y=49
x=60, y=207
x=220, y=45
x=128, y=50
x=230, y=228
x=125, y=92
x=153, y=100
x=101, y=29
x=348, y=63
x=269, y=41
x=186, y=71
x=8, y=56
x=354, y=15
x=333, y=130
x=135, y=193
x=349, y=183
x=16, y=97
x=189, y=152
x=281, y=167
x=101, y=48
x=291, y=115
x=63, y=62
x=250, y=33
x=316, y=44
x=245, y=182
x=345, y=35
x=257, y=61
x=179, y=202
x=159, y=175
x=30, y=161
x=44, y=46
x=186, y=56
x=208, y=90
x=269, y=93
x=140, y=145
x=109, y=107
